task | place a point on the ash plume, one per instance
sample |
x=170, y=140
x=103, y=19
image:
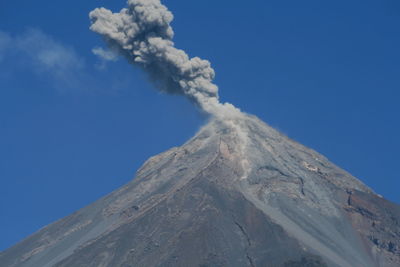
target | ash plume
x=142, y=33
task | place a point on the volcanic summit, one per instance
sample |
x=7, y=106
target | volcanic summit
x=238, y=193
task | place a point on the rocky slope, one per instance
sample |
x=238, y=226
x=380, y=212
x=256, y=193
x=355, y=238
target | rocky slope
x=239, y=193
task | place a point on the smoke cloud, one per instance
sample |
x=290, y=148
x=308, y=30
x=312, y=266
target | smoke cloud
x=143, y=35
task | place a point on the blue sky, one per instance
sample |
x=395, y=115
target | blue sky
x=72, y=129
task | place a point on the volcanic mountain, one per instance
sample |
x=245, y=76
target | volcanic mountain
x=239, y=193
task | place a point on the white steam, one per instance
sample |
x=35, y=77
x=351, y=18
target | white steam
x=142, y=34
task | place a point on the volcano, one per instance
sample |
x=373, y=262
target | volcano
x=239, y=193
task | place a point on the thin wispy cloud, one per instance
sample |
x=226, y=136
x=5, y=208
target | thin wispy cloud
x=39, y=53
x=56, y=64
x=46, y=53
x=105, y=55
x=5, y=41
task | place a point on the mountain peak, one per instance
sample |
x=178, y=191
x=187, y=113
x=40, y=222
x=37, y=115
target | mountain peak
x=238, y=193
x=254, y=145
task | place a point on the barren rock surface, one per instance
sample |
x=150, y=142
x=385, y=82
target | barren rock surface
x=239, y=193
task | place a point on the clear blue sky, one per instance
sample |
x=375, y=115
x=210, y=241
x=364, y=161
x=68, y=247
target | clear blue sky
x=72, y=129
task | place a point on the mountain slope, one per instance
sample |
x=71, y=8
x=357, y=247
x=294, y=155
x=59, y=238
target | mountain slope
x=239, y=193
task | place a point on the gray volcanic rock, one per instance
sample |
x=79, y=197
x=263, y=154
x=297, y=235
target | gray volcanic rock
x=239, y=193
